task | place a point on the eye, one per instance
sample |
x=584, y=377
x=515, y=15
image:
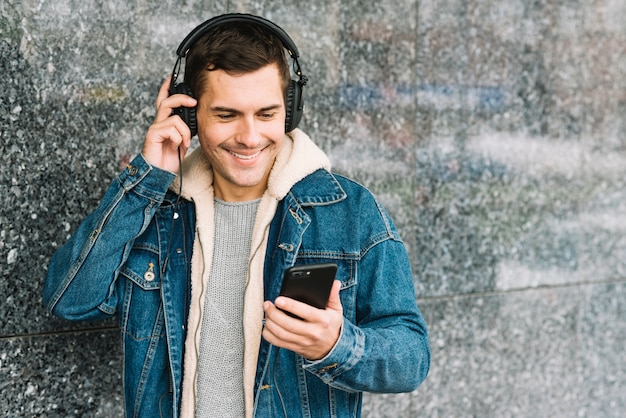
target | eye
x=225, y=116
x=267, y=115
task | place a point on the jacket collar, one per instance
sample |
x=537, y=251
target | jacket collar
x=319, y=188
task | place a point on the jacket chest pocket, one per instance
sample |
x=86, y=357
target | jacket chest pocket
x=142, y=306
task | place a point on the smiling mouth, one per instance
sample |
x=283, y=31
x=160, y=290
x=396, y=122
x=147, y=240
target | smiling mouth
x=245, y=157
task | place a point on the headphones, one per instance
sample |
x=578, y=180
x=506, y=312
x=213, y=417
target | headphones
x=294, y=102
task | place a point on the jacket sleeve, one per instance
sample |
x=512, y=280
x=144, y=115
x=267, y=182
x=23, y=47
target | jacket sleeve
x=80, y=282
x=387, y=350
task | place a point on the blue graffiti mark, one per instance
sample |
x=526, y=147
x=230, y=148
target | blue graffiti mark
x=439, y=97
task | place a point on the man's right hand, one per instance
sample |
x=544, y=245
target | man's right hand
x=168, y=132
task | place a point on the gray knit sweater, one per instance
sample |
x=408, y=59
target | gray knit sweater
x=220, y=366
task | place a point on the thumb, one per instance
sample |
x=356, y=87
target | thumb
x=334, y=302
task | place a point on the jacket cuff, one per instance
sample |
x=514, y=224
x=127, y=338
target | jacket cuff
x=344, y=355
x=145, y=178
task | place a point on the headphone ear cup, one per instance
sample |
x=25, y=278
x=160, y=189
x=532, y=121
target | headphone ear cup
x=294, y=106
x=187, y=114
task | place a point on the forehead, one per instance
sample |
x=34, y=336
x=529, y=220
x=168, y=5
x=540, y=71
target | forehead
x=263, y=85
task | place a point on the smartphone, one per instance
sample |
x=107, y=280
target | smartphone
x=309, y=283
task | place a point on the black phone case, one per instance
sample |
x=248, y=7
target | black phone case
x=309, y=283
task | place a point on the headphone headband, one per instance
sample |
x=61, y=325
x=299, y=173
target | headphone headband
x=190, y=39
x=294, y=102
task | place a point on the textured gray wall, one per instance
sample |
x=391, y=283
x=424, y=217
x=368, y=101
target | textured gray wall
x=493, y=131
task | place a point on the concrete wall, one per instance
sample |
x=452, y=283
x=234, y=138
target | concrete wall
x=493, y=131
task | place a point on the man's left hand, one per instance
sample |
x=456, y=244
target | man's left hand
x=314, y=335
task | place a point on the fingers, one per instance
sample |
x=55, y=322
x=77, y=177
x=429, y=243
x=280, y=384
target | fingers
x=165, y=103
x=164, y=91
x=300, y=309
x=306, y=311
x=162, y=141
x=312, y=340
x=285, y=331
x=168, y=132
x=314, y=335
x=334, y=301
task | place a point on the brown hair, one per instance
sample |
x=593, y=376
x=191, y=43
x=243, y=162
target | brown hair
x=236, y=48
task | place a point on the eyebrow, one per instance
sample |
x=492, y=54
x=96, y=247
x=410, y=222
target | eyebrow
x=231, y=110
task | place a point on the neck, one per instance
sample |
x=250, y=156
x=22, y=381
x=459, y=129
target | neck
x=232, y=193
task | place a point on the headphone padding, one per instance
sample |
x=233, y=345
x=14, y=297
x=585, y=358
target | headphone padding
x=293, y=106
x=187, y=114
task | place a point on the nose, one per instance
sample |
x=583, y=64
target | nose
x=249, y=134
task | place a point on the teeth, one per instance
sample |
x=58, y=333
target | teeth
x=245, y=157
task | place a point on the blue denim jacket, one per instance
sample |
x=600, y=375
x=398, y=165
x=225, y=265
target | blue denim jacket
x=131, y=258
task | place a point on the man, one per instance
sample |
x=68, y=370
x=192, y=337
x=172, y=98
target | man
x=192, y=265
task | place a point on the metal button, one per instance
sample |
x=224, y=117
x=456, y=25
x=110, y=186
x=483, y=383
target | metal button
x=149, y=275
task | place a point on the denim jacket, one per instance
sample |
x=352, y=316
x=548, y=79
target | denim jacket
x=132, y=256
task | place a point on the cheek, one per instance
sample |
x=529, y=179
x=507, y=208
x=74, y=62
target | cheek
x=208, y=142
x=277, y=129
x=211, y=135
